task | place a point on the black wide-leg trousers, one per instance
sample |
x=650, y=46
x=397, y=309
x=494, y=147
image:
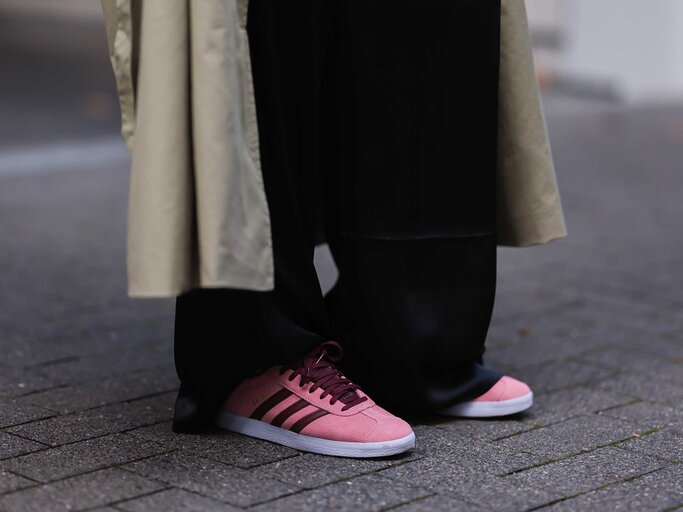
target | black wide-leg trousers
x=377, y=125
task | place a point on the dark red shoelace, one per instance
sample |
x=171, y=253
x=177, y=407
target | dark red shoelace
x=318, y=368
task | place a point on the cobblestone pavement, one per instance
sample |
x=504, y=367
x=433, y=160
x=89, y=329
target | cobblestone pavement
x=594, y=323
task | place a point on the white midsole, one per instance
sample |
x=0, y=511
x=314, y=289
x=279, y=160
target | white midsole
x=489, y=409
x=263, y=430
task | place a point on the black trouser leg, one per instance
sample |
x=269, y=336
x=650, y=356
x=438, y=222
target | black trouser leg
x=413, y=317
x=225, y=335
x=411, y=203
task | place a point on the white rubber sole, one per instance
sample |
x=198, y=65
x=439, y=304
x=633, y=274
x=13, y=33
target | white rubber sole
x=263, y=430
x=490, y=409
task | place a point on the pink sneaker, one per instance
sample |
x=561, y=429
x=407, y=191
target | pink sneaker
x=507, y=396
x=311, y=406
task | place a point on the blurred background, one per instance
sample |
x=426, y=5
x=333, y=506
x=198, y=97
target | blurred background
x=593, y=322
x=59, y=105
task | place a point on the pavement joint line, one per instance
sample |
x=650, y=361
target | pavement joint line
x=133, y=498
x=571, y=456
x=596, y=489
x=89, y=380
x=336, y=482
x=28, y=422
x=600, y=487
x=619, y=406
x=587, y=383
x=58, y=414
x=38, y=391
x=75, y=475
x=204, y=455
x=494, y=441
x=45, y=446
x=21, y=476
x=69, y=443
x=54, y=362
x=123, y=467
x=539, y=426
x=342, y=479
x=416, y=500
x=581, y=452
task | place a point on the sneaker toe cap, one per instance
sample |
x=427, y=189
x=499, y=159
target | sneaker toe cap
x=506, y=388
x=388, y=427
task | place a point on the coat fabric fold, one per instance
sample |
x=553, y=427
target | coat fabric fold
x=198, y=215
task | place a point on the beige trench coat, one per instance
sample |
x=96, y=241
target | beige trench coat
x=198, y=214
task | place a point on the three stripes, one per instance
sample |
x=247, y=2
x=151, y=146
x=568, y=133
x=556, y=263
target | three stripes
x=297, y=406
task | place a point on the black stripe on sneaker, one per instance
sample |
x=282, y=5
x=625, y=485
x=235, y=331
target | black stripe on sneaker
x=271, y=402
x=307, y=420
x=292, y=409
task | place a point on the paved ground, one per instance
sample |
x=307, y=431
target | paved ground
x=594, y=323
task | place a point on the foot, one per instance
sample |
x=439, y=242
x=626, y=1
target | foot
x=311, y=406
x=507, y=396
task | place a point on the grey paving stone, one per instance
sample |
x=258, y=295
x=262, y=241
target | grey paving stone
x=73, y=459
x=11, y=482
x=14, y=412
x=663, y=444
x=439, y=503
x=488, y=429
x=80, y=492
x=533, y=352
x=650, y=389
x=101, y=392
x=639, y=362
x=368, y=492
x=223, y=446
x=16, y=381
x=568, y=403
x=119, y=360
x=587, y=471
x=667, y=346
x=12, y=446
x=210, y=478
x=310, y=471
x=96, y=422
x=546, y=377
x=463, y=451
x=660, y=490
x=573, y=436
x=650, y=415
x=175, y=500
x=467, y=484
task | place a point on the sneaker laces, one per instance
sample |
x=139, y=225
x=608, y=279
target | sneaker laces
x=317, y=367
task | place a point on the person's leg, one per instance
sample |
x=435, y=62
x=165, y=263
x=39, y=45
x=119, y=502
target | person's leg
x=225, y=335
x=413, y=228
x=413, y=316
x=302, y=401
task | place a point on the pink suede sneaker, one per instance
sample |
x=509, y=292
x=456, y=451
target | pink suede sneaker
x=507, y=396
x=311, y=406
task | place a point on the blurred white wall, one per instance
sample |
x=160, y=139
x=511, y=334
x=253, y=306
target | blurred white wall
x=632, y=46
